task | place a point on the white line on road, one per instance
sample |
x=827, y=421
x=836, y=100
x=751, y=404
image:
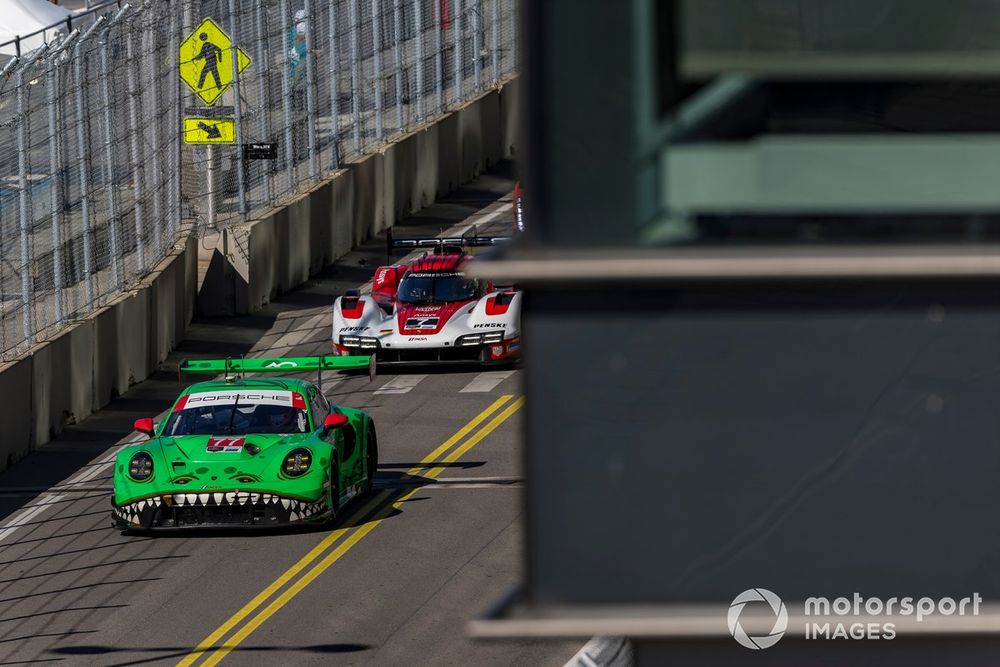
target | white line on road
x=486, y=381
x=400, y=384
x=28, y=513
x=42, y=502
x=503, y=209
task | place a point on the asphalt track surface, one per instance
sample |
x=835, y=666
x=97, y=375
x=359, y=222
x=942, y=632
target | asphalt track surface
x=392, y=583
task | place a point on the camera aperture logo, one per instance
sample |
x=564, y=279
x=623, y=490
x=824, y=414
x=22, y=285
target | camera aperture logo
x=855, y=617
x=757, y=595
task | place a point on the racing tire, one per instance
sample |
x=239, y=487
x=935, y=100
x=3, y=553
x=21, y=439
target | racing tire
x=371, y=459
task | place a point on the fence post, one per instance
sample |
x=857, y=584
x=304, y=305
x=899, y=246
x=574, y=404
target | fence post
x=356, y=73
x=155, y=115
x=377, y=55
x=55, y=208
x=495, y=42
x=456, y=30
x=24, y=212
x=310, y=92
x=513, y=36
x=418, y=29
x=477, y=45
x=184, y=97
x=5, y=72
x=173, y=131
x=83, y=139
x=212, y=222
x=334, y=88
x=264, y=92
x=114, y=223
x=286, y=102
x=439, y=55
x=135, y=128
x=234, y=56
x=397, y=25
x=24, y=198
x=55, y=173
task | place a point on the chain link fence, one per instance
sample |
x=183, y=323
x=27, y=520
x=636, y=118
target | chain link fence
x=95, y=178
x=335, y=79
x=89, y=192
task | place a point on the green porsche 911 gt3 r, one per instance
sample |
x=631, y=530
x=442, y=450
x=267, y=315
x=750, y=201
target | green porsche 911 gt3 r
x=247, y=452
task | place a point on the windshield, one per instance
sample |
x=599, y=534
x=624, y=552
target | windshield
x=436, y=288
x=238, y=413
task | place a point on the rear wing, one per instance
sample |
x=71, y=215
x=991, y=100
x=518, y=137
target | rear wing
x=242, y=365
x=470, y=239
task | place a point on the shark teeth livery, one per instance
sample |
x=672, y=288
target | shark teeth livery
x=258, y=452
x=286, y=510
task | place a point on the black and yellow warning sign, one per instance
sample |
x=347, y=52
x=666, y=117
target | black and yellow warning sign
x=209, y=131
x=206, y=61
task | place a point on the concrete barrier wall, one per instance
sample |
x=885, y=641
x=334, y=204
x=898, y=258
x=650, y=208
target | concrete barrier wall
x=280, y=251
x=65, y=379
x=78, y=372
x=15, y=388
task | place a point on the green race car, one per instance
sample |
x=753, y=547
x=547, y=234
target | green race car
x=247, y=452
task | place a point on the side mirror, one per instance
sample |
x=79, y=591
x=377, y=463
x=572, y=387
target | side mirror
x=145, y=426
x=332, y=421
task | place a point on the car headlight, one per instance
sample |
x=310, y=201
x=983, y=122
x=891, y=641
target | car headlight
x=364, y=342
x=492, y=337
x=140, y=468
x=296, y=462
x=469, y=339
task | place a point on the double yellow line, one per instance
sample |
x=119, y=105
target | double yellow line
x=360, y=528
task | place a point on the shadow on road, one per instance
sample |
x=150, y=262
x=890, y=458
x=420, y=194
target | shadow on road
x=161, y=653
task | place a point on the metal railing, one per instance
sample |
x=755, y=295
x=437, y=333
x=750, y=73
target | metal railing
x=95, y=178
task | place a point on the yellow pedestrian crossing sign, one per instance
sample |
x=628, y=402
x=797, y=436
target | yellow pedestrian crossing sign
x=209, y=131
x=205, y=61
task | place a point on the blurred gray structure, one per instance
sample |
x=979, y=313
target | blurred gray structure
x=762, y=323
x=95, y=180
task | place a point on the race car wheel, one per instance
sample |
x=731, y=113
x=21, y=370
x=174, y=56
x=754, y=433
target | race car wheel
x=371, y=458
